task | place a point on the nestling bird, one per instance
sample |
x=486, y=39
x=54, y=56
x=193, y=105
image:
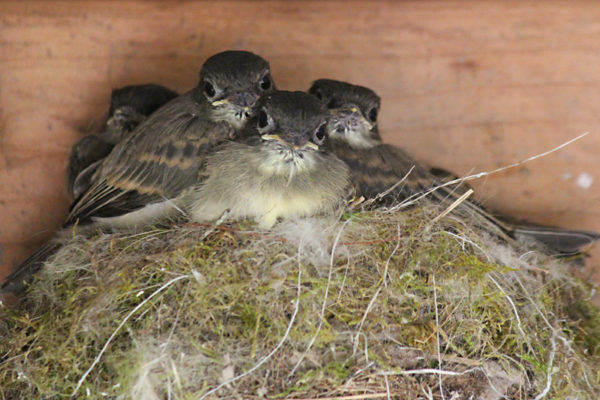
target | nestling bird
x=280, y=169
x=354, y=137
x=377, y=167
x=143, y=177
x=136, y=184
x=129, y=106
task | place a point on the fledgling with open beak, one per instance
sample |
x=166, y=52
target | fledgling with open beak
x=141, y=181
x=377, y=167
x=129, y=106
x=280, y=169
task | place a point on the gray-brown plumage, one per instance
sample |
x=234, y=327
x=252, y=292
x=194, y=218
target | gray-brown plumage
x=136, y=184
x=377, y=167
x=353, y=136
x=146, y=174
x=280, y=169
x=129, y=106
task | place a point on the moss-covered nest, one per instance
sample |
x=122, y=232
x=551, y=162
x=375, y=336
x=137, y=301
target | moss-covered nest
x=373, y=304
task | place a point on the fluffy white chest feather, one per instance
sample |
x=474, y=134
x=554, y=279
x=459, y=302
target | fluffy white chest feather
x=268, y=182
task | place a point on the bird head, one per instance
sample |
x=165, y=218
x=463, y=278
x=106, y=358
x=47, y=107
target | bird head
x=353, y=111
x=292, y=125
x=130, y=105
x=232, y=82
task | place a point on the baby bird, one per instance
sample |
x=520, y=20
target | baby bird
x=280, y=169
x=354, y=137
x=129, y=106
x=376, y=167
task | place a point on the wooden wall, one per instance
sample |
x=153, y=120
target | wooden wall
x=468, y=86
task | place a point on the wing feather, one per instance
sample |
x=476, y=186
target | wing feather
x=161, y=158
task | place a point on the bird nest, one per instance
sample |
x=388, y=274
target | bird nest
x=371, y=304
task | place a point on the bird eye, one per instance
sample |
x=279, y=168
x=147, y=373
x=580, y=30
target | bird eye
x=263, y=120
x=319, y=136
x=373, y=114
x=209, y=89
x=265, y=83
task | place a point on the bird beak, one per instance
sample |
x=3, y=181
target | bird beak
x=223, y=102
x=350, y=115
x=312, y=145
x=227, y=102
x=272, y=137
x=125, y=115
x=243, y=101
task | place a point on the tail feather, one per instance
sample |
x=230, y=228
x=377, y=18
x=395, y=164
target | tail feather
x=560, y=241
x=21, y=278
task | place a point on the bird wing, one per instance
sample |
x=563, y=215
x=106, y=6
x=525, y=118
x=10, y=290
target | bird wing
x=88, y=150
x=19, y=279
x=377, y=169
x=160, y=159
x=388, y=169
x=419, y=179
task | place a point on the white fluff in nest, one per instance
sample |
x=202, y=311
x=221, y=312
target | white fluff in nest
x=312, y=237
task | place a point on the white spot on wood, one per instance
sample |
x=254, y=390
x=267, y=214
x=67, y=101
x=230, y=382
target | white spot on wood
x=585, y=180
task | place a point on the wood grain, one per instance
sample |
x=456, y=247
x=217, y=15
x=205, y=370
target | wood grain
x=467, y=86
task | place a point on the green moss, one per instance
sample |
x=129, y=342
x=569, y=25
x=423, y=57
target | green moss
x=238, y=293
